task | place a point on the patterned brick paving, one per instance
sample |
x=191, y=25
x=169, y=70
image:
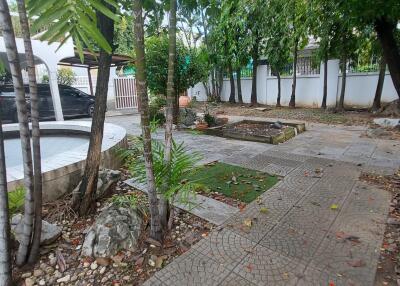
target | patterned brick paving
x=295, y=237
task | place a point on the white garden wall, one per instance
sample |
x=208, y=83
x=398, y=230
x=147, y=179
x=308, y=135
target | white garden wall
x=360, y=88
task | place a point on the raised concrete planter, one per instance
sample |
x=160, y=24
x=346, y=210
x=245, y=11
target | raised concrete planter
x=286, y=133
x=63, y=171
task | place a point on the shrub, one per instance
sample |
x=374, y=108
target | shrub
x=16, y=199
x=209, y=119
x=65, y=76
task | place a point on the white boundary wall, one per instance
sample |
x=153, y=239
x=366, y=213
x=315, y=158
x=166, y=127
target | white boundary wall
x=360, y=88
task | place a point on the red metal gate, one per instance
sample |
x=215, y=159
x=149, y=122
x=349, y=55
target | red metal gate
x=125, y=93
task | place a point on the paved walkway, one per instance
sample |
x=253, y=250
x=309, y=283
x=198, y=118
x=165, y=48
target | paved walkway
x=301, y=240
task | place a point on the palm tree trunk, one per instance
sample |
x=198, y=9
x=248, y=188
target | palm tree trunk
x=239, y=85
x=22, y=111
x=84, y=200
x=278, y=98
x=379, y=87
x=292, y=102
x=5, y=253
x=37, y=194
x=325, y=88
x=163, y=203
x=141, y=85
x=232, y=82
x=340, y=106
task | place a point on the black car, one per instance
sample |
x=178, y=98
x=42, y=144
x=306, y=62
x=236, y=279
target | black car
x=73, y=101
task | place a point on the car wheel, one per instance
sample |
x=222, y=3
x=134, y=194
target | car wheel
x=90, y=110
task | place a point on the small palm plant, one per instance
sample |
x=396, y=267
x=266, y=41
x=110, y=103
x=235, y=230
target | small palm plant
x=171, y=178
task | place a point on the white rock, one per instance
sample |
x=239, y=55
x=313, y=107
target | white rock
x=38, y=272
x=94, y=265
x=26, y=275
x=64, y=279
x=50, y=232
x=42, y=282
x=102, y=270
x=29, y=282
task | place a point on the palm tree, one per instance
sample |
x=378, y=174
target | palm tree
x=85, y=198
x=5, y=254
x=22, y=111
x=170, y=105
x=37, y=228
x=141, y=86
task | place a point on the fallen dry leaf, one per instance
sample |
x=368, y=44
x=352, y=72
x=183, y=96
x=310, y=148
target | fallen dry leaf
x=248, y=222
x=61, y=261
x=356, y=263
x=334, y=207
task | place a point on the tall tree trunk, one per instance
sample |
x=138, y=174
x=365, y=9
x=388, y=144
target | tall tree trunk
x=22, y=111
x=85, y=200
x=37, y=227
x=391, y=50
x=213, y=85
x=278, y=98
x=340, y=106
x=163, y=203
x=292, y=102
x=325, y=88
x=232, y=82
x=239, y=85
x=141, y=86
x=253, y=97
x=5, y=254
x=379, y=87
x=220, y=83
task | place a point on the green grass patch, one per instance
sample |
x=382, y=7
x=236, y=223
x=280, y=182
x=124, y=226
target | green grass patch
x=233, y=181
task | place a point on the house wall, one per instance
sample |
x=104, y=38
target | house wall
x=360, y=88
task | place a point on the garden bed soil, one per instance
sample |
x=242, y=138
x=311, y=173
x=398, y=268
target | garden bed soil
x=316, y=115
x=62, y=259
x=259, y=131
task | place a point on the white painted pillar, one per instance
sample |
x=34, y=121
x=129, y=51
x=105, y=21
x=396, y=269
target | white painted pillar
x=262, y=71
x=333, y=82
x=55, y=94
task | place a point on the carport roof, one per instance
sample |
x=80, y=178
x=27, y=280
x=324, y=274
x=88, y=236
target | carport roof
x=91, y=60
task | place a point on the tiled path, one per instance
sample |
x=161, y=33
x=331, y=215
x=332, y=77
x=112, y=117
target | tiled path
x=301, y=240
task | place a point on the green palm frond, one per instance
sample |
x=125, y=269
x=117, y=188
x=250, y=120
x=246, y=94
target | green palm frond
x=172, y=178
x=72, y=18
x=16, y=199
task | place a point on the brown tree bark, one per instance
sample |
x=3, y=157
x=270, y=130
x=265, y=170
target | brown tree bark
x=278, y=98
x=239, y=85
x=385, y=30
x=5, y=253
x=379, y=87
x=232, y=82
x=325, y=87
x=340, y=106
x=37, y=167
x=163, y=203
x=141, y=86
x=255, y=55
x=292, y=102
x=84, y=201
x=22, y=112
